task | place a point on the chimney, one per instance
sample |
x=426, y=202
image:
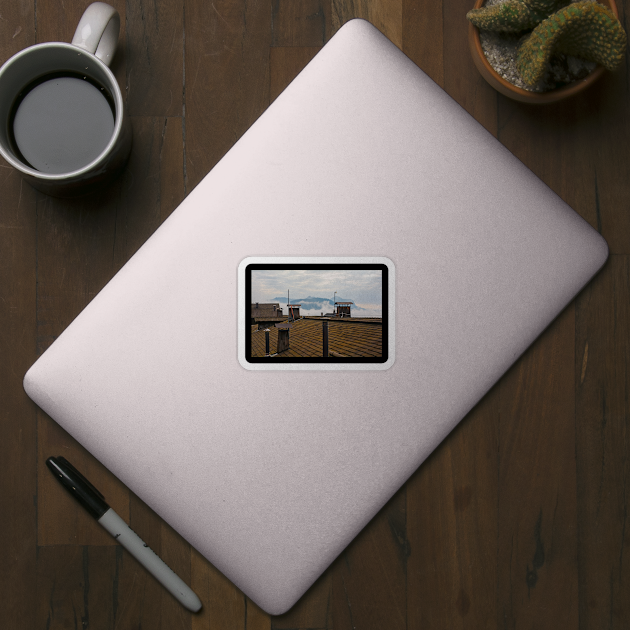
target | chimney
x=325, y=337
x=283, y=337
x=283, y=340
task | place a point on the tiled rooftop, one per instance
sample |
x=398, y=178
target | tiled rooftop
x=266, y=310
x=347, y=337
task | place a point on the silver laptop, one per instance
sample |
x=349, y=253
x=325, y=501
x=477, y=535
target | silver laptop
x=382, y=211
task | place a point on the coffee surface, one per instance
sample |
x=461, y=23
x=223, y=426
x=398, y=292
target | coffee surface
x=62, y=124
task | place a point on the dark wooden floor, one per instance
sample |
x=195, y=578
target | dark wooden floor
x=518, y=520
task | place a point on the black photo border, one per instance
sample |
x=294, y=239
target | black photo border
x=316, y=266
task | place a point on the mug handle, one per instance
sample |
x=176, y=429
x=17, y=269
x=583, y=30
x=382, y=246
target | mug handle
x=98, y=30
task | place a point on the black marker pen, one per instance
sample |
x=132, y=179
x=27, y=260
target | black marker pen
x=94, y=502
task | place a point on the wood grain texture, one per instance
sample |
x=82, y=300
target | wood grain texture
x=422, y=36
x=313, y=610
x=76, y=587
x=369, y=577
x=18, y=324
x=602, y=381
x=537, y=536
x=224, y=606
x=300, y=22
x=154, y=57
x=226, y=78
x=576, y=148
x=452, y=527
x=94, y=244
x=386, y=15
x=285, y=64
x=18, y=416
x=461, y=79
x=518, y=520
x=153, y=606
x=608, y=138
x=151, y=187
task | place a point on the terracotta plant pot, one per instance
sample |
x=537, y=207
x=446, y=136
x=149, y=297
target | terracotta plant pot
x=512, y=91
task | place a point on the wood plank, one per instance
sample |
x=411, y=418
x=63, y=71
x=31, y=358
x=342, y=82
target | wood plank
x=606, y=133
x=558, y=147
x=74, y=248
x=76, y=587
x=57, y=22
x=602, y=381
x=300, y=22
x=537, y=537
x=18, y=419
x=152, y=185
x=171, y=159
x=369, y=586
x=452, y=527
x=386, y=15
x=224, y=606
x=154, y=60
x=18, y=525
x=461, y=78
x=255, y=618
x=226, y=78
x=137, y=595
x=285, y=64
x=575, y=147
x=423, y=36
x=18, y=415
x=142, y=600
x=17, y=28
x=177, y=554
x=313, y=610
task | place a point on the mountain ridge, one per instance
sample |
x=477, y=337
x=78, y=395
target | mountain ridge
x=312, y=302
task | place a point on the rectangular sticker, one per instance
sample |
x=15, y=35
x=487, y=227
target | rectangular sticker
x=316, y=313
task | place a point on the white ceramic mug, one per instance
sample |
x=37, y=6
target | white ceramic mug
x=87, y=58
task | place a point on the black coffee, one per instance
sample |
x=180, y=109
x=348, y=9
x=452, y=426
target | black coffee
x=62, y=123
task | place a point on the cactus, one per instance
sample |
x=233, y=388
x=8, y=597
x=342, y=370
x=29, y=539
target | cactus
x=513, y=16
x=583, y=29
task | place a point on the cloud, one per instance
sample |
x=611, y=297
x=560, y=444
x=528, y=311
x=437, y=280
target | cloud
x=358, y=285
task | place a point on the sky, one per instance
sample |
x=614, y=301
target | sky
x=361, y=286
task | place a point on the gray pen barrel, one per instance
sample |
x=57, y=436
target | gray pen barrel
x=149, y=559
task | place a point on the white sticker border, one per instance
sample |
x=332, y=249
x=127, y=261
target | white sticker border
x=316, y=260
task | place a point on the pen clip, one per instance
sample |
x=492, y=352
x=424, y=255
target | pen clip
x=74, y=471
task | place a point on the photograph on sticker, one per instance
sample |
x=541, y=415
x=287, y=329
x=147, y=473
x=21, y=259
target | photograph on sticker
x=316, y=313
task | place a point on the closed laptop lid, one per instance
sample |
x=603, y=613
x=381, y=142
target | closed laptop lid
x=270, y=466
